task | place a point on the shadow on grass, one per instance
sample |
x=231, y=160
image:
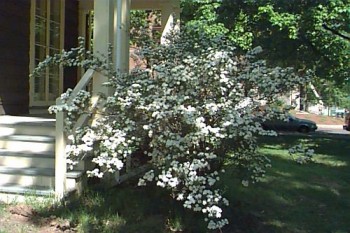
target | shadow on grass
x=127, y=209
x=330, y=145
x=312, y=197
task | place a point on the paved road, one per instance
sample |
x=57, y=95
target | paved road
x=332, y=129
x=324, y=131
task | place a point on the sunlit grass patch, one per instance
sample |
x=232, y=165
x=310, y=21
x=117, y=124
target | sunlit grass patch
x=330, y=160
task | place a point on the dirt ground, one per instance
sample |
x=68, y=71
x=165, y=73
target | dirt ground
x=23, y=218
x=319, y=119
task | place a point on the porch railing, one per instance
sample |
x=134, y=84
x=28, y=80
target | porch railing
x=83, y=120
x=61, y=137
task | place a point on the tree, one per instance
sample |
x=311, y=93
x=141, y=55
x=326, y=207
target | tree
x=143, y=27
x=304, y=34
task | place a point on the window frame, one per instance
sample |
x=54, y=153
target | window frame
x=33, y=96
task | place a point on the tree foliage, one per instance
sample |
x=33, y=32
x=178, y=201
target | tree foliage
x=305, y=34
x=143, y=26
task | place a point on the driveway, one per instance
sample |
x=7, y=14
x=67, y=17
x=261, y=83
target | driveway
x=331, y=129
x=334, y=131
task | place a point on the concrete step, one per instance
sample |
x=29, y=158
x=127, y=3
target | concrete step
x=40, y=111
x=32, y=190
x=33, y=177
x=26, y=130
x=14, y=193
x=24, y=159
x=11, y=125
x=33, y=143
x=27, y=177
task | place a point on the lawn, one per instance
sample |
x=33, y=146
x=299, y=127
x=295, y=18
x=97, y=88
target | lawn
x=312, y=197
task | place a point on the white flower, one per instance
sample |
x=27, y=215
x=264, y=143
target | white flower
x=245, y=183
x=185, y=111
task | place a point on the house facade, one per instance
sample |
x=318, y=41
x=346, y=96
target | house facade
x=32, y=149
x=31, y=30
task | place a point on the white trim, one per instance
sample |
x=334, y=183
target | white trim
x=60, y=158
x=170, y=15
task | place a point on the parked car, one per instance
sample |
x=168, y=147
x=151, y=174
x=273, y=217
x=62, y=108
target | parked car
x=346, y=125
x=292, y=123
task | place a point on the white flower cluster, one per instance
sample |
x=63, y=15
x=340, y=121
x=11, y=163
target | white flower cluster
x=193, y=109
x=304, y=154
x=74, y=109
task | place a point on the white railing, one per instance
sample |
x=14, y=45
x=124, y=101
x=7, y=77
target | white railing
x=84, y=119
x=61, y=137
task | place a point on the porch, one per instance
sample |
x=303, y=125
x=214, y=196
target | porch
x=32, y=149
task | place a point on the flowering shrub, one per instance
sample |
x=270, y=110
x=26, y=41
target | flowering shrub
x=77, y=57
x=301, y=153
x=195, y=107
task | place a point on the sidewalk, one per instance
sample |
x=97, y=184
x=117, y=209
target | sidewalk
x=330, y=126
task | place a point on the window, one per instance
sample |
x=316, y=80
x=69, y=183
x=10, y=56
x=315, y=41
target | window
x=47, y=40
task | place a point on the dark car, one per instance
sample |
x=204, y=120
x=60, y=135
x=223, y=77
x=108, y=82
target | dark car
x=292, y=123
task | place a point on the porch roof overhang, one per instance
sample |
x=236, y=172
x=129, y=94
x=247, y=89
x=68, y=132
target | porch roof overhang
x=135, y=4
x=150, y=4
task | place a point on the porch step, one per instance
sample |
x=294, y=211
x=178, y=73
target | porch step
x=32, y=143
x=13, y=125
x=23, y=159
x=42, y=111
x=32, y=177
x=14, y=193
x=33, y=190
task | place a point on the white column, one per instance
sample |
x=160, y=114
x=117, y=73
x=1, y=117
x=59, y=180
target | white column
x=60, y=155
x=170, y=15
x=121, y=35
x=103, y=36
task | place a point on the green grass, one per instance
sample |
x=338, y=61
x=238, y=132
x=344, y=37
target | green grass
x=126, y=209
x=2, y=208
x=313, y=197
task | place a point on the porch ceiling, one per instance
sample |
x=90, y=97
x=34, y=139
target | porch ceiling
x=135, y=4
x=149, y=4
